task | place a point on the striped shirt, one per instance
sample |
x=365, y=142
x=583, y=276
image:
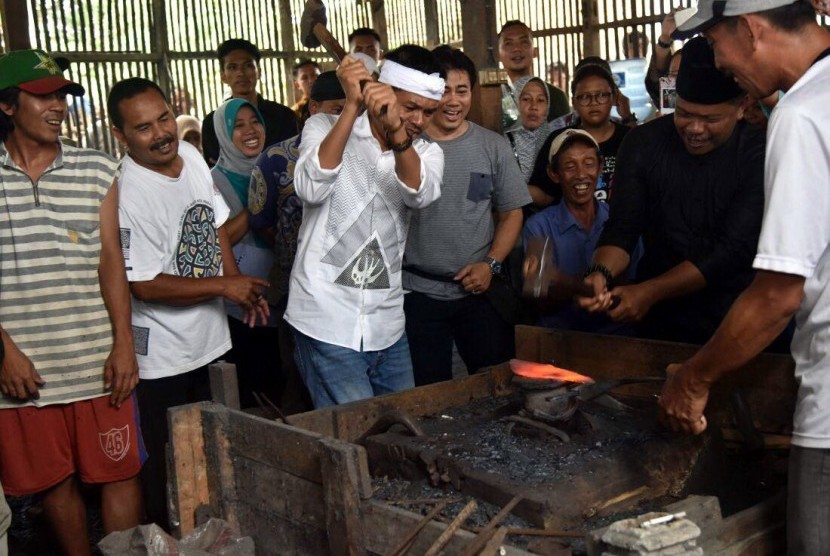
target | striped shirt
x=50, y=296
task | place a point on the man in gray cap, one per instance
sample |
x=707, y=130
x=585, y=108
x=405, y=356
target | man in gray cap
x=771, y=45
x=691, y=185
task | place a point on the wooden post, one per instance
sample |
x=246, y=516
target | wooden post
x=160, y=45
x=431, y=17
x=287, y=32
x=224, y=385
x=590, y=27
x=16, y=24
x=379, y=21
x=479, y=29
x=341, y=470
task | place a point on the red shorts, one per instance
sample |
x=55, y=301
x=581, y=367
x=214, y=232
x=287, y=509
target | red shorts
x=42, y=446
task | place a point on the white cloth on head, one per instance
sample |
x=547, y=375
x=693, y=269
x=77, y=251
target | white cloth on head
x=412, y=80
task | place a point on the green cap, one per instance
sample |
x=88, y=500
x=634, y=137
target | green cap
x=35, y=72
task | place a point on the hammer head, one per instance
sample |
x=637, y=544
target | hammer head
x=313, y=13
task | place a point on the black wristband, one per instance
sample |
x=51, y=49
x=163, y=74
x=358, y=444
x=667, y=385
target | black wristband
x=602, y=269
x=662, y=44
x=401, y=147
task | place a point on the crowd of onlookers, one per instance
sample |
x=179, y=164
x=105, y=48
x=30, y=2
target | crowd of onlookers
x=348, y=246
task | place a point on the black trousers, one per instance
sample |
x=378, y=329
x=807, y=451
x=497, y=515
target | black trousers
x=256, y=354
x=155, y=397
x=483, y=338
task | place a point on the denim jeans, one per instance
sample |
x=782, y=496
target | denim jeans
x=808, y=502
x=335, y=374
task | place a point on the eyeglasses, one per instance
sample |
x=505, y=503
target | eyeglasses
x=586, y=99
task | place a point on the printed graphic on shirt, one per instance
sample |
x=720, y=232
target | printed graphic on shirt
x=115, y=443
x=124, y=237
x=368, y=270
x=199, y=254
x=141, y=339
x=375, y=220
x=259, y=193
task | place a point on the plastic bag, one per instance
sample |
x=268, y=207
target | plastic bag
x=216, y=537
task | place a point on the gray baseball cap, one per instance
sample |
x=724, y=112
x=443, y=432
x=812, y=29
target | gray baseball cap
x=710, y=12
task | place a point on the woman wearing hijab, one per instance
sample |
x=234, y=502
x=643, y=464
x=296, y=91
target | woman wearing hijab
x=190, y=130
x=241, y=134
x=533, y=127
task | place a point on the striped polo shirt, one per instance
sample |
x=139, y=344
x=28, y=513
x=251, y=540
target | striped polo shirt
x=50, y=297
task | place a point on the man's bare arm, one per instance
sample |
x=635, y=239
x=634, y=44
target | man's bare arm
x=756, y=318
x=121, y=366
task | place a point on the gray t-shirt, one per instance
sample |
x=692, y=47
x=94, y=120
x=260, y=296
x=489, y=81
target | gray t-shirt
x=480, y=175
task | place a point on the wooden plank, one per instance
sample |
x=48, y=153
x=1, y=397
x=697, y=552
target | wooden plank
x=384, y=525
x=285, y=447
x=340, y=468
x=276, y=535
x=190, y=488
x=224, y=386
x=757, y=530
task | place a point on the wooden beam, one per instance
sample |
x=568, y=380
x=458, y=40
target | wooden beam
x=590, y=27
x=189, y=479
x=478, y=27
x=15, y=15
x=379, y=21
x=431, y=19
x=158, y=34
x=287, y=35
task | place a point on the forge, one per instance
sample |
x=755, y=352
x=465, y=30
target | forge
x=559, y=453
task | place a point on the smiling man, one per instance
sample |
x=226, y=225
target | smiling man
x=691, y=185
x=180, y=266
x=239, y=70
x=573, y=226
x=67, y=409
x=358, y=175
x=455, y=249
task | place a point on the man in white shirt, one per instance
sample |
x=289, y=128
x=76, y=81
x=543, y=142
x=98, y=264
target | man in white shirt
x=358, y=175
x=771, y=45
x=179, y=264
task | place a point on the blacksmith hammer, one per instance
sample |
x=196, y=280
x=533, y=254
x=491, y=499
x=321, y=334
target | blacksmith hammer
x=313, y=31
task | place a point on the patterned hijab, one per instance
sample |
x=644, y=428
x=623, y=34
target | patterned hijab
x=526, y=143
x=232, y=163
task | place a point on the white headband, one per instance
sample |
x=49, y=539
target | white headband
x=412, y=80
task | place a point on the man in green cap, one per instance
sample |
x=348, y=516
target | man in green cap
x=67, y=405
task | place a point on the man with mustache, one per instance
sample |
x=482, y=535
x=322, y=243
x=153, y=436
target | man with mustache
x=691, y=185
x=67, y=409
x=239, y=69
x=180, y=266
x=358, y=175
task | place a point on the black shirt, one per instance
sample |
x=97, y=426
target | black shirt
x=703, y=209
x=608, y=149
x=280, y=124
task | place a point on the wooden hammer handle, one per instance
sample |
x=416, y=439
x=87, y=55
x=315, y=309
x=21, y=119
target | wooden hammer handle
x=328, y=41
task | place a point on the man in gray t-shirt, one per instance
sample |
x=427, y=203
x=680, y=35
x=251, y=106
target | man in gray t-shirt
x=456, y=247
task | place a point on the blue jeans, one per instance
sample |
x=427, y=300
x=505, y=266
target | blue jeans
x=335, y=374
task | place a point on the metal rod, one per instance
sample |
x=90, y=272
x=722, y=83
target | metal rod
x=445, y=537
x=407, y=541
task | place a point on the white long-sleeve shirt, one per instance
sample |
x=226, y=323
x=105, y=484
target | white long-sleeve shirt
x=345, y=285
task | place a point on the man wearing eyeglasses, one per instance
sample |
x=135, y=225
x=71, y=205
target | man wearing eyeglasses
x=594, y=94
x=691, y=184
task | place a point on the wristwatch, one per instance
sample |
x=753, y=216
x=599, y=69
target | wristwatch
x=495, y=266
